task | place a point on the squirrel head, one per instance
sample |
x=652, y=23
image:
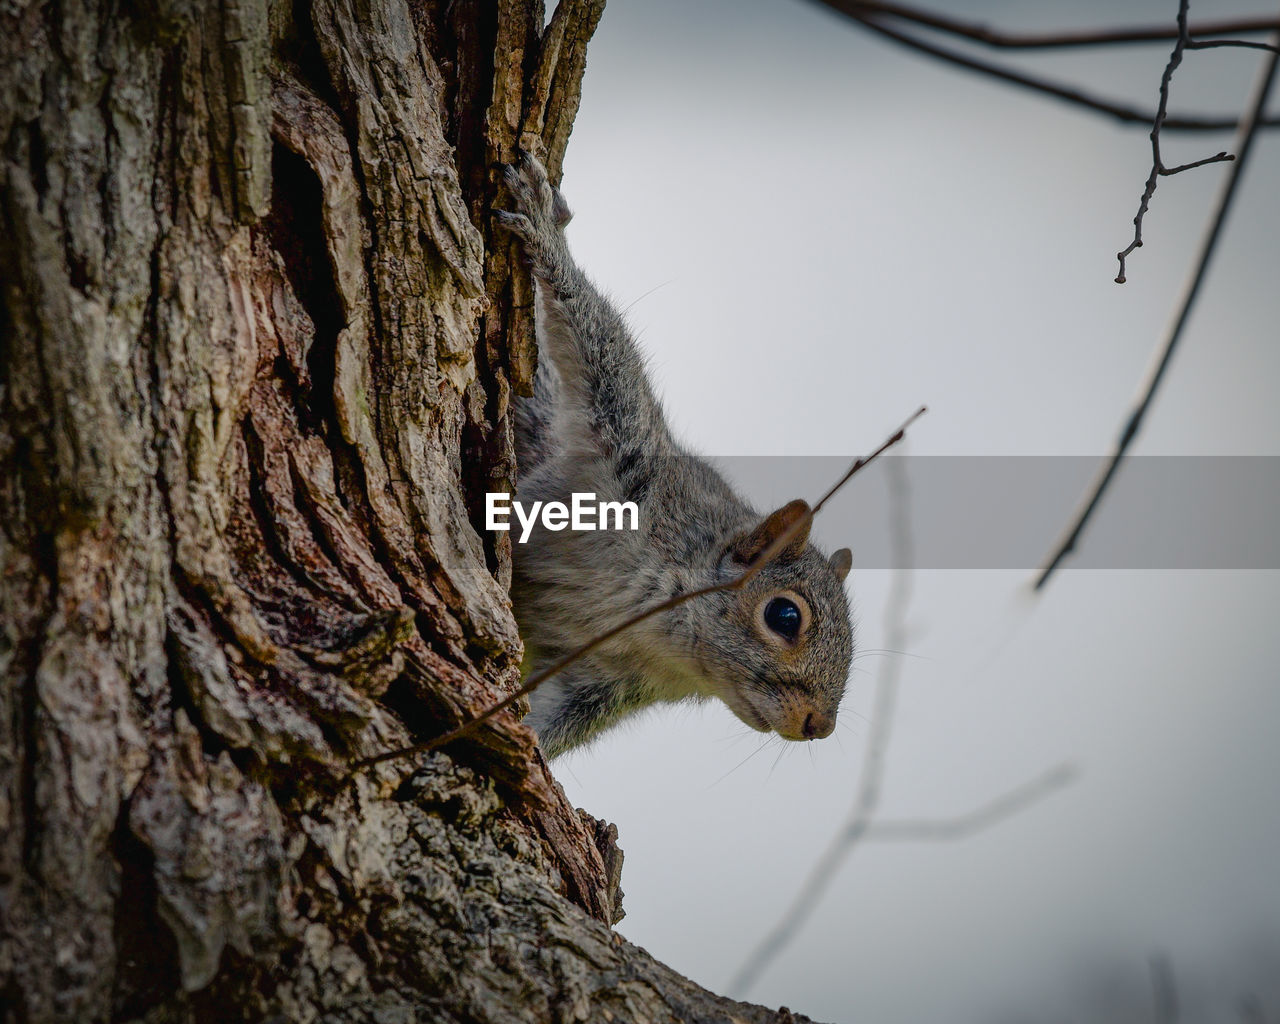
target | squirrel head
x=780, y=648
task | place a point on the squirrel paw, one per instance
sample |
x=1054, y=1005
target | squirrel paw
x=541, y=212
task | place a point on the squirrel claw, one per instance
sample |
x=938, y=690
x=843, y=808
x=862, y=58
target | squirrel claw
x=536, y=198
x=516, y=223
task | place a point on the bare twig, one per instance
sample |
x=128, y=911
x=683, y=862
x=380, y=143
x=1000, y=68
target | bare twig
x=1120, y=111
x=1158, y=169
x=867, y=796
x=861, y=824
x=1217, y=158
x=1048, y=40
x=1133, y=423
x=1210, y=44
x=947, y=829
x=980, y=818
x=766, y=556
x=1164, y=990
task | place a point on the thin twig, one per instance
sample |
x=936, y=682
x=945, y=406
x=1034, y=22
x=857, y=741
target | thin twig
x=948, y=829
x=1162, y=110
x=860, y=463
x=867, y=796
x=980, y=818
x=861, y=824
x=766, y=556
x=1048, y=40
x=1250, y=1009
x=1191, y=290
x=1158, y=169
x=1120, y=111
x=1164, y=990
x=1210, y=44
x=1217, y=158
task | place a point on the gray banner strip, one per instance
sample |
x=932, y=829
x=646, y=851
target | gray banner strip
x=1171, y=512
x=1006, y=513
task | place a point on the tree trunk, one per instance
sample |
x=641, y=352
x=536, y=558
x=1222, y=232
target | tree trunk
x=259, y=345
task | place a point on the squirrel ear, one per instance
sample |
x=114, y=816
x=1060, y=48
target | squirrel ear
x=842, y=562
x=746, y=548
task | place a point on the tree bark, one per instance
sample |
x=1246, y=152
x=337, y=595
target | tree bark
x=258, y=346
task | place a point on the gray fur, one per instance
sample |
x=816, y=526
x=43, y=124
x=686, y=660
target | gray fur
x=594, y=424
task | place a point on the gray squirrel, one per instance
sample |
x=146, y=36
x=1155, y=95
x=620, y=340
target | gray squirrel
x=777, y=651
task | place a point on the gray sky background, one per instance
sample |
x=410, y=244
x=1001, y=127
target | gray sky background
x=817, y=233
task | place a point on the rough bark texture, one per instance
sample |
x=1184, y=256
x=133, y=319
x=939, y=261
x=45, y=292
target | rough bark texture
x=258, y=347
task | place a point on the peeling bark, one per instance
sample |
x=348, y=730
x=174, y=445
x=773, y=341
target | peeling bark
x=258, y=348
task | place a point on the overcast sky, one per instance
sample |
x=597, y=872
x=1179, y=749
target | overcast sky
x=816, y=233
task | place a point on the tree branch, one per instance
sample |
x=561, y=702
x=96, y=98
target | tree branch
x=1121, y=112
x=860, y=824
x=1210, y=44
x=1065, y=39
x=1158, y=168
x=867, y=796
x=980, y=818
x=1164, y=990
x=1243, y=146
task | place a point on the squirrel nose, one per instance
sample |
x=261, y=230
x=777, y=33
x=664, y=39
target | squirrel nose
x=817, y=726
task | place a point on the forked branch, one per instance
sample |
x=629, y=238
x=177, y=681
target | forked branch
x=1158, y=168
x=861, y=824
x=1163, y=356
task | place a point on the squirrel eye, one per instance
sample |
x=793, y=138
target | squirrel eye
x=783, y=617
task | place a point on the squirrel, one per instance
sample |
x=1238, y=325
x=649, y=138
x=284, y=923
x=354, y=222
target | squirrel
x=777, y=651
